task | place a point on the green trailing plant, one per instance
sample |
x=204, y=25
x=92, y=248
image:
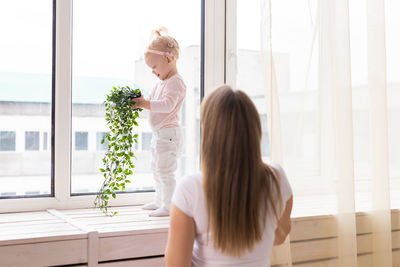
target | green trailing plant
x=117, y=161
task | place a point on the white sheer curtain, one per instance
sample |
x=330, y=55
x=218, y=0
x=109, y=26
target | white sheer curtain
x=381, y=220
x=314, y=126
x=271, y=95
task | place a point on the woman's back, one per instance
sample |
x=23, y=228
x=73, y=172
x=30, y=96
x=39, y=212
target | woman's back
x=238, y=207
x=189, y=197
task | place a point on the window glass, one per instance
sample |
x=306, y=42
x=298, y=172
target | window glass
x=294, y=78
x=249, y=77
x=25, y=96
x=32, y=141
x=146, y=140
x=393, y=96
x=81, y=141
x=109, y=52
x=7, y=141
x=45, y=140
x=99, y=138
x=265, y=137
x=302, y=101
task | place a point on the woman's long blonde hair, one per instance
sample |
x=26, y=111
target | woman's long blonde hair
x=237, y=184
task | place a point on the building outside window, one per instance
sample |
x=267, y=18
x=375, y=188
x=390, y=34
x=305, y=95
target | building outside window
x=45, y=140
x=7, y=141
x=32, y=141
x=81, y=140
x=99, y=145
x=26, y=91
x=146, y=141
x=265, y=137
x=107, y=53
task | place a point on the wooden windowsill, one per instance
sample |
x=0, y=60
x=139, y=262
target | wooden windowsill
x=88, y=237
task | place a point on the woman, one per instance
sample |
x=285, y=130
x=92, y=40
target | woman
x=238, y=207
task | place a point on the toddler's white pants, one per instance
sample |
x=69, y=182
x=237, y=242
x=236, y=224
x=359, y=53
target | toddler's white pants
x=166, y=147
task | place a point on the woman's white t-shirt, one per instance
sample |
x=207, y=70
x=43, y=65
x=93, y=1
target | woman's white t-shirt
x=189, y=198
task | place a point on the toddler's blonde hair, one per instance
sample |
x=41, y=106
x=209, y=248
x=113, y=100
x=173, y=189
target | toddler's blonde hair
x=161, y=41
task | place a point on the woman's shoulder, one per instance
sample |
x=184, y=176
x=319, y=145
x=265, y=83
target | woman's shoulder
x=187, y=193
x=283, y=181
x=277, y=168
x=191, y=180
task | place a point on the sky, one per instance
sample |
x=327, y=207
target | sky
x=108, y=36
x=114, y=32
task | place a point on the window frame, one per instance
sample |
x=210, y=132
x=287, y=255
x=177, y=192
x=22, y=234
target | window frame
x=212, y=74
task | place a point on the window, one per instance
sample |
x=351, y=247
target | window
x=293, y=81
x=99, y=138
x=146, y=141
x=109, y=52
x=7, y=141
x=32, y=141
x=393, y=85
x=81, y=141
x=45, y=140
x=26, y=91
x=265, y=138
x=300, y=39
x=249, y=75
x=136, y=146
x=45, y=133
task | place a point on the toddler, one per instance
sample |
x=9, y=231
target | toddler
x=164, y=103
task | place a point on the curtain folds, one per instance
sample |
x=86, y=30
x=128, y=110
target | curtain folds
x=335, y=134
x=271, y=95
x=380, y=212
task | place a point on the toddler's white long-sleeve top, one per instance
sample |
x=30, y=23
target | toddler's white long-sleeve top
x=166, y=100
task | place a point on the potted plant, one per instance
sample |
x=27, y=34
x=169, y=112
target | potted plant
x=117, y=161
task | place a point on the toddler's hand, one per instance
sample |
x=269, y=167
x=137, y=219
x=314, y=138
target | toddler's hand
x=137, y=101
x=141, y=102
